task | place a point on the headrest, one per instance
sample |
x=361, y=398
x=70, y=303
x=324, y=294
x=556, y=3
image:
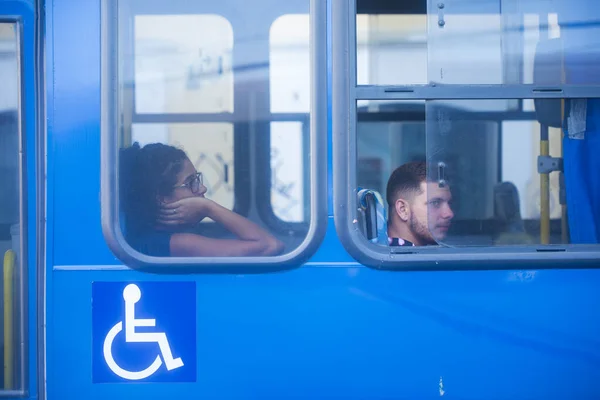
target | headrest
x=371, y=202
x=362, y=197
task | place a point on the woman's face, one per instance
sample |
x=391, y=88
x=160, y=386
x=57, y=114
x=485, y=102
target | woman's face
x=189, y=184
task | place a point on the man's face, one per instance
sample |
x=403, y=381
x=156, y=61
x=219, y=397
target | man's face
x=430, y=213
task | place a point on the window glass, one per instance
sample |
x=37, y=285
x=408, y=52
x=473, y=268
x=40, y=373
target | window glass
x=488, y=177
x=10, y=208
x=289, y=70
x=388, y=134
x=526, y=150
x=179, y=143
x=480, y=42
x=391, y=39
x=495, y=178
x=183, y=64
x=287, y=159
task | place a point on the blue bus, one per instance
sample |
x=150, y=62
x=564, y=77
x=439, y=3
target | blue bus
x=292, y=116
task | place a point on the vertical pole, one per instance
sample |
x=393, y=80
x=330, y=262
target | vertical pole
x=9, y=348
x=544, y=189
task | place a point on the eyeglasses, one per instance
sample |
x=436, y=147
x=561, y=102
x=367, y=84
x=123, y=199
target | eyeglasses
x=194, y=184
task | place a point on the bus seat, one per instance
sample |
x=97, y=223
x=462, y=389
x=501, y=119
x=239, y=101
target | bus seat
x=508, y=213
x=372, y=216
x=361, y=220
x=548, y=70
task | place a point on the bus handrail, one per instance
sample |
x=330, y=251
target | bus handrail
x=9, y=349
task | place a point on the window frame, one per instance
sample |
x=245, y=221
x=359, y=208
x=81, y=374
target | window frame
x=264, y=205
x=110, y=128
x=345, y=94
x=263, y=194
x=20, y=284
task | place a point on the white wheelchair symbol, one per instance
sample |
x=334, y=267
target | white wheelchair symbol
x=132, y=295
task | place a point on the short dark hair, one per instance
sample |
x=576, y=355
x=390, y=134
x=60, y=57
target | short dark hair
x=405, y=182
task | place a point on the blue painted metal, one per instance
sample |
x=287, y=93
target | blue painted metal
x=354, y=332
x=332, y=328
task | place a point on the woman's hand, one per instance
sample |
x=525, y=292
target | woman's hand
x=188, y=211
x=253, y=240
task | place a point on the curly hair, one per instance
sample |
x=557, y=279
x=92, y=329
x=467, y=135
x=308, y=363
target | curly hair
x=146, y=174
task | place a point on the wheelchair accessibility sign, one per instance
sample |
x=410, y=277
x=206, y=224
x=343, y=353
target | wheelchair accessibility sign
x=144, y=332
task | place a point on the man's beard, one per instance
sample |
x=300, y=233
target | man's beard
x=420, y=231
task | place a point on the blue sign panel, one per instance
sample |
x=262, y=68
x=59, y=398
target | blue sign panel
x=144, y=332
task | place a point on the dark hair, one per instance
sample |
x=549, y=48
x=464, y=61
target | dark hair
x=145, y=174
x=405, y=181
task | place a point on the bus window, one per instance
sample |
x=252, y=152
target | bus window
x=211, y=157
x=464, y=42
x=11, y=210
x=482, y=149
